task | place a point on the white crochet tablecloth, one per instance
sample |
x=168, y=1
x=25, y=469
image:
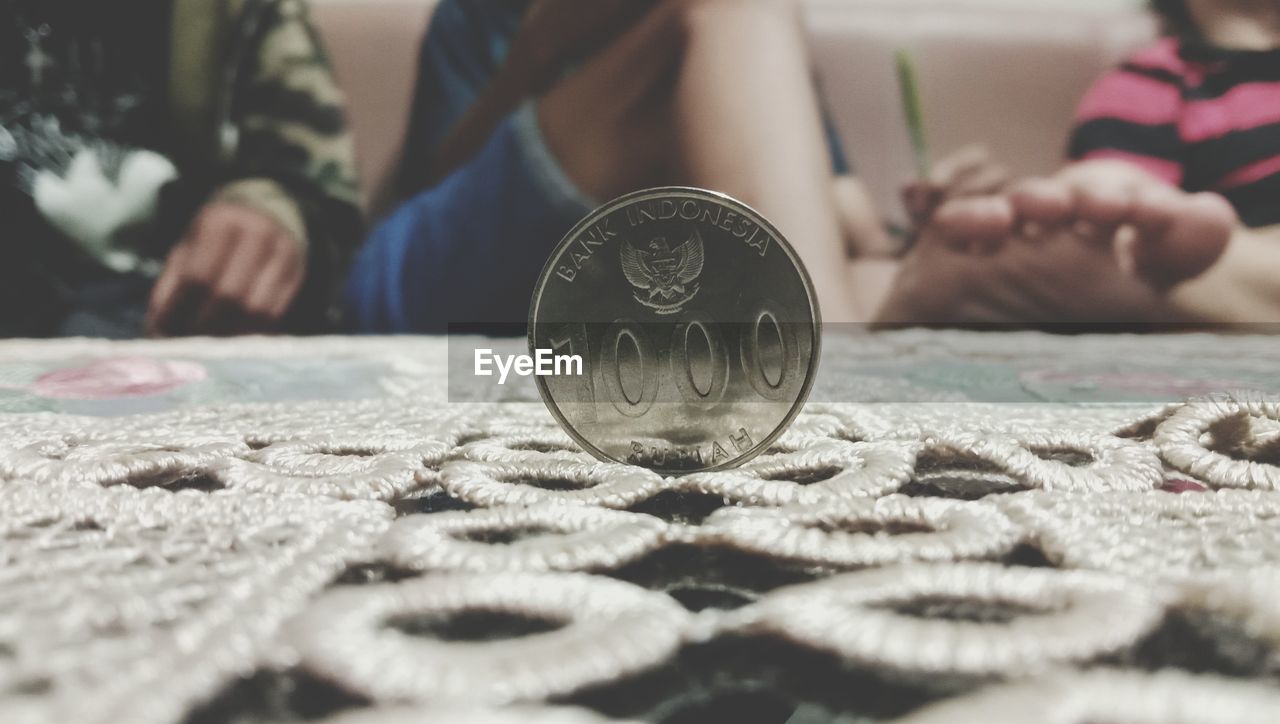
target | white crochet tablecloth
x=959, y=527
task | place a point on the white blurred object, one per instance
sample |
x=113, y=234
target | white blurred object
x=90, y=208
x=8, y=145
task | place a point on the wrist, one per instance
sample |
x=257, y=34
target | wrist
x=269, y=199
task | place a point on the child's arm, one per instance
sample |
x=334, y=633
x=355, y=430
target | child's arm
x=270, y=246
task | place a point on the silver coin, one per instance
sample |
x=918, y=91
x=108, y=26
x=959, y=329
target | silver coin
x=696, y=327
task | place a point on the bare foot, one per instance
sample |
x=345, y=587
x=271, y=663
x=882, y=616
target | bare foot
x=1161, y=234
x=944, y=278
x=1078, y=248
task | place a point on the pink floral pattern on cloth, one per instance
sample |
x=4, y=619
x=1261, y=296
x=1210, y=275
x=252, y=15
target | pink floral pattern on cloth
x=122, y=377
x=1182, y=485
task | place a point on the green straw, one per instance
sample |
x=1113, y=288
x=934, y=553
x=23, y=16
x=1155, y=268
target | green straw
x=912, y=108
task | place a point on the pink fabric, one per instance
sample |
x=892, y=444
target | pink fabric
x=118, y=378
x=1131, y=97
x=1246, y=106
x=1251, y=173
x=1179, y=485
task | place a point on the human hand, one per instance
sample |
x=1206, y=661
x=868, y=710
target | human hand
x=237, y=271
x=968, y=172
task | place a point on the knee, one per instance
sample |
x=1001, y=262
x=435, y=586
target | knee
x=693, y=17
x=675, y=25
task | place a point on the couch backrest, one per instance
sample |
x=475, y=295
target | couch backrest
x=1002, y=73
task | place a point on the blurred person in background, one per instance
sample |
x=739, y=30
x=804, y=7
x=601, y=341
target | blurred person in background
x=1169, y=211
x=528, y=113
x=171, y=166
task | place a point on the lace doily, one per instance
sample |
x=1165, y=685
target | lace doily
x=399, y=558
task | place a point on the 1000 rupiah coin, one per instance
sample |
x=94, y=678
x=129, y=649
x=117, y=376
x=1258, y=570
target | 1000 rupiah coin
x=696, y=324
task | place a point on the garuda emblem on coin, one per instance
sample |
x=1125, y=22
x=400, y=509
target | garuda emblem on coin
x=664, y=277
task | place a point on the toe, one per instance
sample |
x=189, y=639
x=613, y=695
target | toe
x=1041, y=203
x=977, y=224
x=1179, y=235
x=1155, y=210
x=1104, y=203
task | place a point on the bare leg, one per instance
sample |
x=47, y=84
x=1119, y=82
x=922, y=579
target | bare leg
x=552, y=34
x=610, y=124
x=863, y=228
x=750, y=126
x=713, y=93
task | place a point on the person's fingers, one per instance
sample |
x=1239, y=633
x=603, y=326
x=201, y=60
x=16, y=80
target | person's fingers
x=224, y=310
x=226, y=241
x=218, y=317
x=186, y=301
x=213, y=237
x=162, y=294
x=273, y=290
x=290, y=285
x=208, y=245
x=243, y=265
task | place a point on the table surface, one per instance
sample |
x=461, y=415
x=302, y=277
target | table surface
x=958, y=527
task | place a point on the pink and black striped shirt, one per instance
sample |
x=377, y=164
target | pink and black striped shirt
x=1202, y=118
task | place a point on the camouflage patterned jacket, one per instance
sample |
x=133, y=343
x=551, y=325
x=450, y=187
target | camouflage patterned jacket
x=229, y=99
x=252, y=93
